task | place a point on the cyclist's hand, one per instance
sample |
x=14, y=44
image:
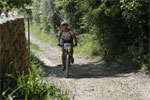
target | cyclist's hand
x=75, y=44
x=59, y=44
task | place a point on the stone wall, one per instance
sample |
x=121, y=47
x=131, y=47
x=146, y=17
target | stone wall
x=13, y=46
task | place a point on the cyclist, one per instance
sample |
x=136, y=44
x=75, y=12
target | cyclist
x=67, y=36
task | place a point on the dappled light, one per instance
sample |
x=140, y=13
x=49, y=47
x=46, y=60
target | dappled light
x=74, y=49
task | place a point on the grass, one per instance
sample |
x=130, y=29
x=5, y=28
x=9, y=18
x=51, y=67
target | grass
x=88, y=46
x=41, y=35
x=36, y=47
x=29, y=87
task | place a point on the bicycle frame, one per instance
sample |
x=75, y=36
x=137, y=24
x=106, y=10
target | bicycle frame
x=67, y=55
x=67, y=60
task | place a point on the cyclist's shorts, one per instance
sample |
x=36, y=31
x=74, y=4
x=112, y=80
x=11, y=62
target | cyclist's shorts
x=63, y=41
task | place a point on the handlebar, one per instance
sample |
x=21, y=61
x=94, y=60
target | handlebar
x=62, y=45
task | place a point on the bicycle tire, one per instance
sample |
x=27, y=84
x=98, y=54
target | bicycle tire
x=67, y=66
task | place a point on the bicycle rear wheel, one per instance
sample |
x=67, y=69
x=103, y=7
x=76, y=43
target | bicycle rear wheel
x=67, y=66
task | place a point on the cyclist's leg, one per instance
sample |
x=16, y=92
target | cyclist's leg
x=71, y=51
x=62, y=57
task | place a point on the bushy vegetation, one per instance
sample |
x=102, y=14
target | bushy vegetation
x=87, y=46
x=36, y=47
x=41, y=35
x=46, y=15
x=29, y=87
x=118, y=31
x=23, y=5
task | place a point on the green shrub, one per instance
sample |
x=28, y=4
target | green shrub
x=120, y=26
x=41, y=35
x=88, y=45
x=146, y=63
x=36, y=47
x=29, y=87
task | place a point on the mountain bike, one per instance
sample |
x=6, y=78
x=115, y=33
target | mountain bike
x=67, y=58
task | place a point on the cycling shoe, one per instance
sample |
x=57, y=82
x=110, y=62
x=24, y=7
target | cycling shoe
x=63, y=68
x=72, y=60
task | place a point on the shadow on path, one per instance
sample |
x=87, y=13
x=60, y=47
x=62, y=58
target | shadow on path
x=89, y=70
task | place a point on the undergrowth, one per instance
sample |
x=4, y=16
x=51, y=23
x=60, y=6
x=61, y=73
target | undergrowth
x=88, y=46
x=36, y=47
x=29, y=87
x=42, y=35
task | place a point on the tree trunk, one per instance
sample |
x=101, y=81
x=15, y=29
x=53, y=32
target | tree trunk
x=149, y=28
x=141, y=44
x=149, y=31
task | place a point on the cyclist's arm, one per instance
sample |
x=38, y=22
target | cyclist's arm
x=74, y=37
x=76, y=41
x=59, y=37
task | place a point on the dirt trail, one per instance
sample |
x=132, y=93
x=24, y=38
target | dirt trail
x=91, y=80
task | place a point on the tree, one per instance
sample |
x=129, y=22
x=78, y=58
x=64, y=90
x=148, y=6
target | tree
x=45, y=14
x=8, y=4
x=121, y=27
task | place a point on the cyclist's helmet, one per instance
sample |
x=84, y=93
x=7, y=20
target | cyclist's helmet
x=64, y=24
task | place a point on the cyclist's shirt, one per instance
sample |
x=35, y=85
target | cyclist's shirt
x=66, y=36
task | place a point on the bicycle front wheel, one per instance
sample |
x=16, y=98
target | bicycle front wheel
x=67, y=66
